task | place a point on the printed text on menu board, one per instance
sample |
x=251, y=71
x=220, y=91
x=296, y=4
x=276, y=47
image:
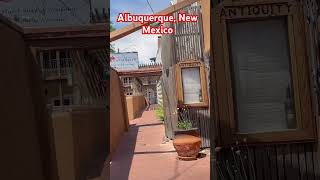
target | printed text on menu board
x=161, y=19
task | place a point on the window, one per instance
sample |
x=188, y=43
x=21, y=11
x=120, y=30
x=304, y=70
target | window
x=127, y=81
x=63, y=54
x=65, y=61
x=151, y=81
x=56, y=102
x=50, y=59
x=191, y=84
x=46, y=60
x=129, y=92
x=53, y=54
x=261, y=77
x=67, y=100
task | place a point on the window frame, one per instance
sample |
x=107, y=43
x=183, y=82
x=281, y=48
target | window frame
x=65, y=97
x=203, y=81
x=127, y=81
x=225, y=104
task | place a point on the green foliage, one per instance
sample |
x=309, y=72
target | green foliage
x=184, y=122
x=111, y=45
x=111, y=27
x=159, y=112
x=184, y=125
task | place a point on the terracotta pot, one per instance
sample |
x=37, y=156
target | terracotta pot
x=187, y=145
x=192, y=132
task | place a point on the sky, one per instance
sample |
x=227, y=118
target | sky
x=145, y=45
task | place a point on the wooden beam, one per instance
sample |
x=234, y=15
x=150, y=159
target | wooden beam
x=120, y=33
x=206, y=6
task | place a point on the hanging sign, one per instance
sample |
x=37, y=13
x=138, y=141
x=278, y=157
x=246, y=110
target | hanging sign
x=251, y=10
x=124, y=61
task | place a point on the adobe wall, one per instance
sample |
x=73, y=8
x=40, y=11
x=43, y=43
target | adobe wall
x=24, y=130
x=118, y=111
x=81, y=140
x=63, y=136
x=135, y=106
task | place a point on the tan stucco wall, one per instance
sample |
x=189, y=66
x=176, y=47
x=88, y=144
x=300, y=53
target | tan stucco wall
x=135, y=106
x=118, y=113
x=63, y=137
x=24, y=131
x=90, y=135
x=81, y=141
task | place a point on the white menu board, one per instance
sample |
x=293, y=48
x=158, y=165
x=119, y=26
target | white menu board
x=262, y=78
x=191, y=85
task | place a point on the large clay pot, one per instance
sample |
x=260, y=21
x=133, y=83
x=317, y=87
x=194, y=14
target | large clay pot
x=193, y=132
x=187, y=145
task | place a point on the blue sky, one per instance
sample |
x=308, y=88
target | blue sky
x=146, y=45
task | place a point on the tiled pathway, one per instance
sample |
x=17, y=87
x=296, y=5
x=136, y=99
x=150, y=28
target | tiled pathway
x=142, y=155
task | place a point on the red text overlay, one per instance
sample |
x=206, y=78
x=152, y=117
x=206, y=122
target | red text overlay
x=157, y=21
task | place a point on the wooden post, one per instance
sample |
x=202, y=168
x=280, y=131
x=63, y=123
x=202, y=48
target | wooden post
x=213, y=156
x=41, y=63
x=206, y=5
x=60, y=80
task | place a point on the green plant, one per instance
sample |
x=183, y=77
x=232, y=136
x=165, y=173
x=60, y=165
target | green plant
x=159, y=112
x=184, y=122
x=112, y=28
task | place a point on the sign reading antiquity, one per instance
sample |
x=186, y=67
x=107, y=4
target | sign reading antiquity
x=256, y=10
x=124, y=61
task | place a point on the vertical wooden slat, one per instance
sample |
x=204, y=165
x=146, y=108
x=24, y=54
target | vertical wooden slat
x=260, y=167
x=288, y=163
x=295, y=161
x=316, y=163
x=221, y=88
x=302, y=160
x=281, y=162
x=272, y=157
x=309, y=162
x=251, y=162
x=266, y=162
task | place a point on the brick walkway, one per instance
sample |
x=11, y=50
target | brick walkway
x=142, y=155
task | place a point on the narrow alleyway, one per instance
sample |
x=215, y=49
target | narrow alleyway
x=143, y=155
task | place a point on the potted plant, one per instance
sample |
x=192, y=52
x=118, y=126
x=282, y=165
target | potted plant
x=187, y=140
